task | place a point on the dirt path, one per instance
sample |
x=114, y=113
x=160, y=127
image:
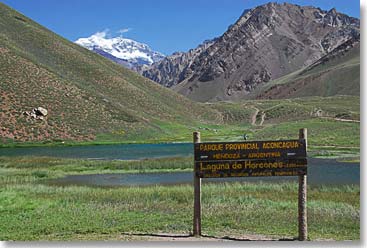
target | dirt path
x=340, y=119
x=262, y=118
x=184, y=237
x=341, y=147
x=220, y=117
x=37, y=71
x=253, y=117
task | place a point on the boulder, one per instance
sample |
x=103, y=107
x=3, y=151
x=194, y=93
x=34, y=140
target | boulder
x=40, y=111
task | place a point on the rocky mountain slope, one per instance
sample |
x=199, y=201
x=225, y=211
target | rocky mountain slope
x=265, y=43
x=173, y=69
x=124, y=51
x=336, y=73
x=54, y=90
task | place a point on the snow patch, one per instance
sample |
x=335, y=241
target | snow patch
x=122, y=48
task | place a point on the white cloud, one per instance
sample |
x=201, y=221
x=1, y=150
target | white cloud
x=124, y=30
x=102, y=34
x=106, y=34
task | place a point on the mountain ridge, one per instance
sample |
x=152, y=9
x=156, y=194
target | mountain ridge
x=336, y=73
x=265, y=43
x=176, y=63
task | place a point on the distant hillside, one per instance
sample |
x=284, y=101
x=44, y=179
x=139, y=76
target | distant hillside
x=338, y=72
x=266, y=43
x=86, y=96
x=173, y=69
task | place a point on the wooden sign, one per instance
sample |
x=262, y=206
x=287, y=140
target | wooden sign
x=251, y=159
x=250, y=150
x=251, y=168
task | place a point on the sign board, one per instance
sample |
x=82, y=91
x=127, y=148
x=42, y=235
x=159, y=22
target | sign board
x=251, y=159
x=251, y=168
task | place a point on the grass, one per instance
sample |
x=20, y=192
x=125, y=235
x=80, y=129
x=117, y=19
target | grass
x=31, y=210
x=55, y=167
x=321, y=132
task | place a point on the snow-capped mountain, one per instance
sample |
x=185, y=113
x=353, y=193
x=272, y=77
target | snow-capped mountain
x=124, y=51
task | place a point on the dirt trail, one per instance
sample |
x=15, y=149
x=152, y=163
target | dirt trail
x=340, y=119
x=253, y=117
x=262, y=118
x=220, y=117
x=183, y=237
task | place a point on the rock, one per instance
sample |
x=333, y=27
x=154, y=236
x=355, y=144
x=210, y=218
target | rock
x=36, y=113
x=40, y=111
x=318, y=112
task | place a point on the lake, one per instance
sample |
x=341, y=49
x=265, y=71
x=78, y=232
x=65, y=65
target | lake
x=320, y=171
x=106, y=152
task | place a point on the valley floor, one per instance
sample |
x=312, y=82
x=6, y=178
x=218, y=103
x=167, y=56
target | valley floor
x=332, y=122
x=33, y=210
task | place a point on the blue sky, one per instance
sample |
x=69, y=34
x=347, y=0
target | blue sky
x=165, y=25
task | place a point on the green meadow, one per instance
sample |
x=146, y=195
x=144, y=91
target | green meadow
x=33, y=210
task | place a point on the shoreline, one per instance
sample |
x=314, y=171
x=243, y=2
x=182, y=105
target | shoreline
x=343, y=153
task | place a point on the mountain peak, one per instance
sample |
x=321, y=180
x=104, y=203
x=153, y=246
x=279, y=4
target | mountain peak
x=265, y=43
x=121, y=50
x=333, y=11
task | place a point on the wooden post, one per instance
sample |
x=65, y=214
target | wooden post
x=197, y=195
x=302, y=197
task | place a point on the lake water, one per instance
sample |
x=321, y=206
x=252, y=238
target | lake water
x=320, y=171
x=107, y=152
